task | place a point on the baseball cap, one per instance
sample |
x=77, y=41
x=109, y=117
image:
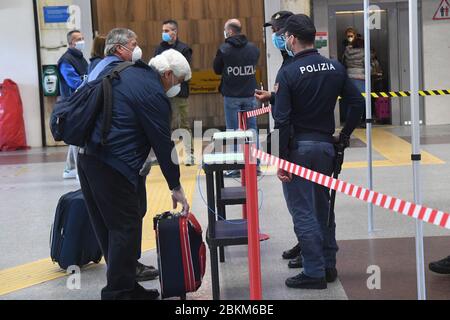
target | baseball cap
x=279, y=19
x=301, y=26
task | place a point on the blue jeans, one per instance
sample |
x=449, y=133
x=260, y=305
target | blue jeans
x=232, y=107
x=308, y=203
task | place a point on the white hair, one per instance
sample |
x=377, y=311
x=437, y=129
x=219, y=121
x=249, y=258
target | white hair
x=172, y=60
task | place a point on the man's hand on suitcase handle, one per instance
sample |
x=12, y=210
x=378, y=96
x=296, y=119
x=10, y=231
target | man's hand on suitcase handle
x=178, y=196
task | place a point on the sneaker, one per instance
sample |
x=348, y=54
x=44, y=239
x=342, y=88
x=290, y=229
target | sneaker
x=234, y=174
x=70, y=174
x=296, y=263
x=292, y=253
x=302, y=281
x=145, y=273
x=441, y=267
x=331, y=275
x=190, y=161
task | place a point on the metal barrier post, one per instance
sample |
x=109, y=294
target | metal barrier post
x=369, y=120
x=254, y=255
x=242, y=120
x=415, y=117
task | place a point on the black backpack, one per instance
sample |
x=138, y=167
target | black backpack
x=73, y=118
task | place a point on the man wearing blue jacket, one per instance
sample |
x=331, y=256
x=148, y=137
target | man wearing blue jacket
x=73, y=68
x=109, y=174
x=306, y=95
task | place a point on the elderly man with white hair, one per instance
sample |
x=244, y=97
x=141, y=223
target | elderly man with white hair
x=109, y=173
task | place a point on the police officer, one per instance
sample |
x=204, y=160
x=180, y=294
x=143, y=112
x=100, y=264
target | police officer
x=306, y=95
x=236, y=62
x=278, y=22
x=109, y=174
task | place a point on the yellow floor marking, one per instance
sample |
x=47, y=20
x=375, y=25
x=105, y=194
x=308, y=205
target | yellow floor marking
x=396, y=150
x=158, y=201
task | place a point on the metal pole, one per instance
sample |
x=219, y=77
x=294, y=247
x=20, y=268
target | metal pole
x=415, y=129
x=254, y=254
x=368, y=106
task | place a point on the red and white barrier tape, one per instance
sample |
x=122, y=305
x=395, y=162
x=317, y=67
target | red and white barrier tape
x=258, y=112
x=432, y=216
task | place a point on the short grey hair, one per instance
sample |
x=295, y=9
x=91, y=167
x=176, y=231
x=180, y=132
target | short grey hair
x=70, y=35
x=118, y=36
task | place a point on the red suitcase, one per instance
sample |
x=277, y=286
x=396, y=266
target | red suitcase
x=181, y=254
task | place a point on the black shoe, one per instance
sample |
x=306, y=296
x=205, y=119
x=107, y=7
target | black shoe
x=292, y=253
x=144, y=273
x=441, y=267
x=302, y=281
x=331, y=274
x=140, y=293
x=296, y=263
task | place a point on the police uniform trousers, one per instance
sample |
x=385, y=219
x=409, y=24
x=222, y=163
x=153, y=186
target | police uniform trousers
x=116, y=210
x=308, y=203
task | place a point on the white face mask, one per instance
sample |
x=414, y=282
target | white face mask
x=174, y=91
x=137, y=54
x=225, y=34
x=80, y=45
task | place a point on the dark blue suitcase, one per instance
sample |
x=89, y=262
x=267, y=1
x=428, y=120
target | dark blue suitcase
x=72, y=240
x=181, y=254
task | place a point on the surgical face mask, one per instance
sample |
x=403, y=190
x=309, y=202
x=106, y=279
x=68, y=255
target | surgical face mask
x=225, y=34
x=166, y=37
x=173, y=91
x=278, y=41
x=136, y=54
x=350, y=39
x=80, y=45
x=288, y=48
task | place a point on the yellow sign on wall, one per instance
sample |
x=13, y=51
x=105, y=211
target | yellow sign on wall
x=206, y=81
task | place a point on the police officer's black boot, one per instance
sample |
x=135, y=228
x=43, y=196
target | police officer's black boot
x=302, y=281
x=292, y=253
x=331, y=274
x=145, y=273
x=441, y=267
x=296, y=263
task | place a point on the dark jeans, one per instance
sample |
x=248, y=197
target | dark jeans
x=232, y=107
x=308, y=204
x=116, y=210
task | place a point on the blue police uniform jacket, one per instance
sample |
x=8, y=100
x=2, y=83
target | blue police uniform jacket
x=236, y=61
x=306, y=93
x=140, y=122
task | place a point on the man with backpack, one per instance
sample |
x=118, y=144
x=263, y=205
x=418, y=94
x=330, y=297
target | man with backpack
x=109, y=170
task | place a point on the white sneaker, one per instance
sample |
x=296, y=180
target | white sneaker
x=69, y=174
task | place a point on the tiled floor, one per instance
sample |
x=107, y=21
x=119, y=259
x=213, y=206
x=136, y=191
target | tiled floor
x=31, y=184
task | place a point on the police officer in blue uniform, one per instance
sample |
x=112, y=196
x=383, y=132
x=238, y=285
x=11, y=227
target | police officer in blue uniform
x=277, y=23
x=306, y=95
